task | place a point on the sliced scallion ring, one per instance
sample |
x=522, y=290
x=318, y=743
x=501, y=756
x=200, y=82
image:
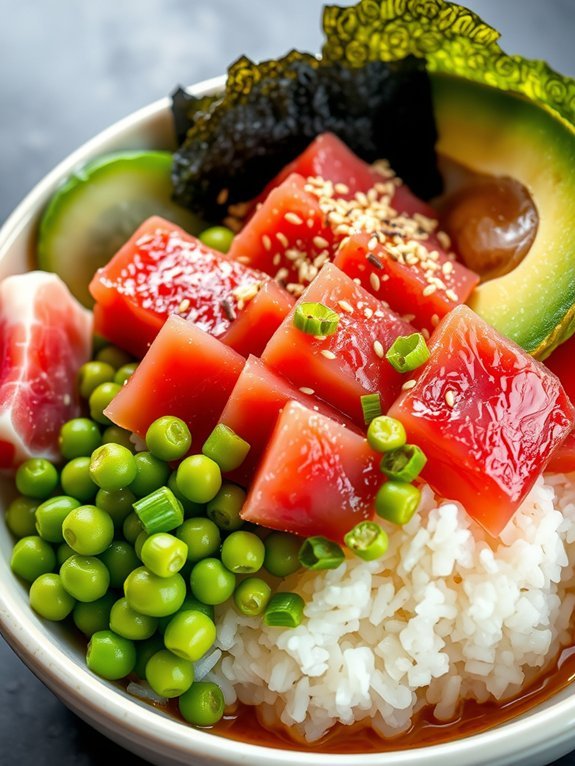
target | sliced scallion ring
x=408, y=352
x=284, y=610
x=320, y=553
x=371, y=407
x=160, y=511
x=367, y=540
x=316, y=319
x=403, y=464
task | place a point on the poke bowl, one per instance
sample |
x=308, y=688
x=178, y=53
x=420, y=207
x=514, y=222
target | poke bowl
x=533, y=725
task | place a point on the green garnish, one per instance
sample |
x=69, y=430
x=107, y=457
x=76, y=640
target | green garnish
x=403, y=464
x=385, y=434
x=160, y=511
x=408, y=352
x=367, y=540
x=397, y=501
x=226, y=448
x=371, y=407
x=284, y=610
x=320, y=553
x=316, y=319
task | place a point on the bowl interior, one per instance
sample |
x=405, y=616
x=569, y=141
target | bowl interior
x=543, y=733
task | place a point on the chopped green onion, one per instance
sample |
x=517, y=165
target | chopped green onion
x=284, y=610
x=371, y=406
x=315, y=319
x=160, y=511
x=320, y=553
x=367, y=540
x=404, y=463
x=408, y=352
x=226, y=448
x=385, y=434
x=397, y=501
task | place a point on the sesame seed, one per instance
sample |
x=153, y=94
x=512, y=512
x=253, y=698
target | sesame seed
x=450, y=398
x=327, y=353
x=345, y=306
x=447, y=268
x=374, y=260
x=320, y=243
x=222, y=197
x=266, y=242
x=452, y=295
x=341, y=188
x=444, y=239
x=184, y=305
x=385, y=277
x=320, y=337
x=373, y=243
x=368, y=313
x=243, y=258
x=378, y=349
x=374, y=281
x=434, y=320
x=282, y=239
x=306, y=390
x=429, y=290
x=233, y=223
x=408, y=385
x=281, y=275
x=277, y=259
x=425, y=333
x=357, y=280
x=293, y=218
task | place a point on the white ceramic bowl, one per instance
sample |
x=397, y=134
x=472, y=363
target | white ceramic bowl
x=538, y=737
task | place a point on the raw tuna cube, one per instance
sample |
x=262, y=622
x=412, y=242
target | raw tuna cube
x=186, y=373
x=45, y=336
x=487, y=415
x=350, y=363
x=288, y=236
x=161, y=271
x=316, y=477
x=424, y=287
x=253, y=408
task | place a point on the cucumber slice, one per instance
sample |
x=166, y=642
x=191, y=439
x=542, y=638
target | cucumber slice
x=99, y=207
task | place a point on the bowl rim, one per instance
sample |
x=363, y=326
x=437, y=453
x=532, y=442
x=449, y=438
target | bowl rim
x=531, y=733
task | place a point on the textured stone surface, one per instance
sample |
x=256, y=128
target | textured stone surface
x=69, y=69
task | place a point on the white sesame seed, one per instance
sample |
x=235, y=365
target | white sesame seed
x=282, y=239
x=293, y=218
x=320, y=243
x=434, y=320
x=374, y=281
x=373, y=243
x=357, y=280
x=408, y=385
x=243, y=258
x=378, y=349
x=277, y=259
x=450, y=398
x=444, y=239
x=345, y=306
x=425, y=333
x=452, y=295
x=341, y=188
x=327, y=353
x=184, y=305
x=429, y=290
x=266, y=242
x=306, y=390
x=447, y=268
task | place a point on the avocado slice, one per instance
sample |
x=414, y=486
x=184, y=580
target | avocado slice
x=503, y=133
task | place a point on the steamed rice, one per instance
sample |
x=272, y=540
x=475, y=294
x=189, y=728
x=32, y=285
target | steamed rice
x=446, y=615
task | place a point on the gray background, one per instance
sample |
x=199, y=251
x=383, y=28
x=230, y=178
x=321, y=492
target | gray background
x=68, y=68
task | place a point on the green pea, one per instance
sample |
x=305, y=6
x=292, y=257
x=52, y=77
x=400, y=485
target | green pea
x=151, y=474
x=117, y=504
x=140, y=540
x=211, y=582
x=219, y=238
x=93, y=374
x=49, y=598
x=114, y=356
x=164, y=554
x=252, y=596
x=397, y=501
x=225, y=508
x=168, y=675
x=243, y=552
x=110, y=656
x=120, y=559
x=145, y=650
x=99, y=400
x=201, y=536
x=36, y=478
x=112, y=467
x=168, y=438
x=124, y=373
x=32, y=557
x=282, y=554
x=88, y=530
x=79, y=438
x=63, y=553
x=190, y=604
x=76, y=480
x=21, y=516
x=95, y=616
x=203, y=704
x=85, y=578
x=190, y=509
x=116, y=435
x=132, y=527
x=152, y=595
x=190, y=635
x=131, y=624
x=50, y=516
x=199, y=478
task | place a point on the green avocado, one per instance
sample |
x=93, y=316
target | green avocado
x=503, y=134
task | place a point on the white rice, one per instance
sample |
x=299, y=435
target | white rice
x=446, y=615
